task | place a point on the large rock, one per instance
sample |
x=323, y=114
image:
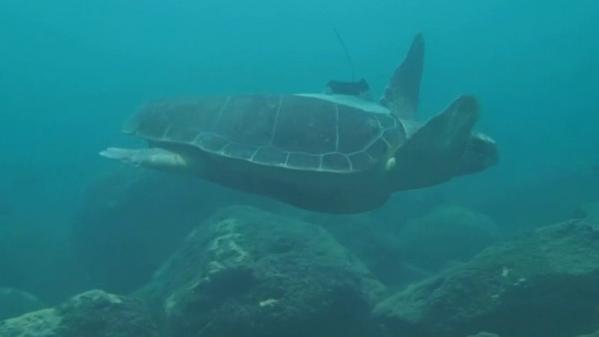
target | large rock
x=590, y=211
x=248, y=273
x=408, y=242
x=91, y=314
x=544, y=284
x=447, y=234
x=595, y=334
x=15, y=302
x=375, y=241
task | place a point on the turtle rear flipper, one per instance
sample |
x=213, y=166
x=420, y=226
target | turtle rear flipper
x=151, y=157
x=403, y=91
x=434, y=153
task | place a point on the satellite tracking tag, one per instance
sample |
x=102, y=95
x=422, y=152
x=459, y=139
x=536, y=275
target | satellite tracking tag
x=353, y=88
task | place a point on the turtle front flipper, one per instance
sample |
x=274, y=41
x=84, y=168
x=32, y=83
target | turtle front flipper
x=403, y=91
x=436, y=151
x=156, y=158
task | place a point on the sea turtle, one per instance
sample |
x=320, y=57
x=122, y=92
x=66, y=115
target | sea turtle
x=329, y=152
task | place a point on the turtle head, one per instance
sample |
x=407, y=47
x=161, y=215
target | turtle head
x=480, y=153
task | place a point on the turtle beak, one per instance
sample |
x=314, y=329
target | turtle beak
x=481, y=153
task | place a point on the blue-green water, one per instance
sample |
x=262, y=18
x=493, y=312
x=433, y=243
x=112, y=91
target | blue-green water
x=72, y=71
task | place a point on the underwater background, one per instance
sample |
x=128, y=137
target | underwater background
x=71, y=72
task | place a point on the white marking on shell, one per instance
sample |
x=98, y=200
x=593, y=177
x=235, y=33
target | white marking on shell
x=351, y=101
